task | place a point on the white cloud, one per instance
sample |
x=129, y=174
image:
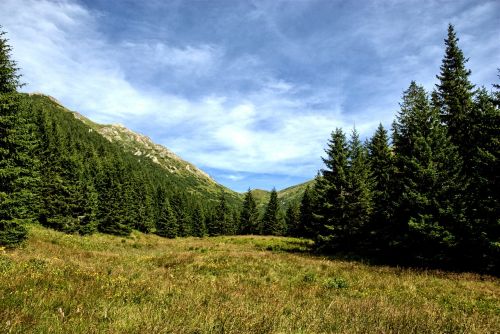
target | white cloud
x=254, y=133
x=275, y=126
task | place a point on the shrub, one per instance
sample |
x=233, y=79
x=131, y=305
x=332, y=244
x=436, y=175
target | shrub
x=12, y=233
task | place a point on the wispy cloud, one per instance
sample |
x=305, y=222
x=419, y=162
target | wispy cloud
x=249, y=91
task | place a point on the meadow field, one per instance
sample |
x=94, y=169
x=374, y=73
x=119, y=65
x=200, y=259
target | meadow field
x=59, y=283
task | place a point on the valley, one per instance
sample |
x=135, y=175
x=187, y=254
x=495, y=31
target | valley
x=60, y=283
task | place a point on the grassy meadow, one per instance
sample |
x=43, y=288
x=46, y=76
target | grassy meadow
x=58, y=283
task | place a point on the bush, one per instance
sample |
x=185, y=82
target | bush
x=336, y=283
x=12, y=233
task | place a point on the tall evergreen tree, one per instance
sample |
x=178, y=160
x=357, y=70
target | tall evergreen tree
x=16, y=164
x=306, y=218
x=199, y=227
x=9, y=72
x=331, y=191
x=427, y=173
x=272, y=221
x=167, y=225
x=249, y=215
x=381, y=162
x=359, y=195
x=292, y=220
x=481, y=235
x=222, y=219
x=454, y=96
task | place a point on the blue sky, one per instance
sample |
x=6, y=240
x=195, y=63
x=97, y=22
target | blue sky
x=249, y=91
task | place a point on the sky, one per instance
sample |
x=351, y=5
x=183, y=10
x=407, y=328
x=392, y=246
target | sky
x=248, y=91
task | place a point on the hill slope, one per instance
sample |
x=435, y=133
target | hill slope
x=180, y=171
x=286, y=196
x=63, y=283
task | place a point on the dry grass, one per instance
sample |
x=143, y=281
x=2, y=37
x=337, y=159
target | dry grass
x=144, y=284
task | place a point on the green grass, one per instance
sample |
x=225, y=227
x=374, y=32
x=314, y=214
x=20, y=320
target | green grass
x=61, y=283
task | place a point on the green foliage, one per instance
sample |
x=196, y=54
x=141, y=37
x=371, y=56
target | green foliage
x=306, y=216
x=9, y=76
x=199, y=225
x=167, y=225
x=427, y=168
x=272, y=221
x=222, y=222
x=336, y=283
x=12, y=233
x=454, y=95
x=331, y=191
x=359, y=194
x=381, y=164
x=292, y=220
x=18, y=169
x=249, y=216
x=432, y=197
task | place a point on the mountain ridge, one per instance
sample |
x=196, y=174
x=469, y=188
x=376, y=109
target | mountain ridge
x=142, y=145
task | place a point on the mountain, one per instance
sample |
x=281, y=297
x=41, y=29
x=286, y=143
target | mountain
x=78, y=176
x=193, y=179
x=88, y=177
x=286, y=196
x=142, y=146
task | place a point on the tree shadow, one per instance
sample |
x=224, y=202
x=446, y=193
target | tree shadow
x=398, y=263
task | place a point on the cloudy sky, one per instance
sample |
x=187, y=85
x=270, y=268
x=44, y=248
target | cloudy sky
x=249, y=91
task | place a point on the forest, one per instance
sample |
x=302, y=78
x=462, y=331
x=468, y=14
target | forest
x=423, y=193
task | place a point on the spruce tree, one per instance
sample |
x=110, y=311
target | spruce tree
x=481, y=235
x=272, y=221
x=199, y=227
x=381, y=161
x=249, y=215
x=16, y=166
x=167, y=225
x=454, y=96
x=222, y=219
x=359, y=195
x=292, y=220
x=9, y=72
x=427, y=172
x=306, y=218
x=331, y=211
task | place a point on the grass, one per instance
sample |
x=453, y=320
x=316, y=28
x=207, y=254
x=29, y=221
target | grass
x=61, y=283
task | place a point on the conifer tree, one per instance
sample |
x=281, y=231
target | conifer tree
x=112, y=214
x=454, y=96
x=292, y=220
x=199, y=227
x=16, y=165
x=222, y=219
x=167, y=225
x=481, y=235
x=381, y=162
x=331, y=191
x=306, y=218
x=249, y=215
x=212, y=228
x=427, y=173
x=272, y=221
x=9, y=72
x=88, y=218
x=359, y=196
